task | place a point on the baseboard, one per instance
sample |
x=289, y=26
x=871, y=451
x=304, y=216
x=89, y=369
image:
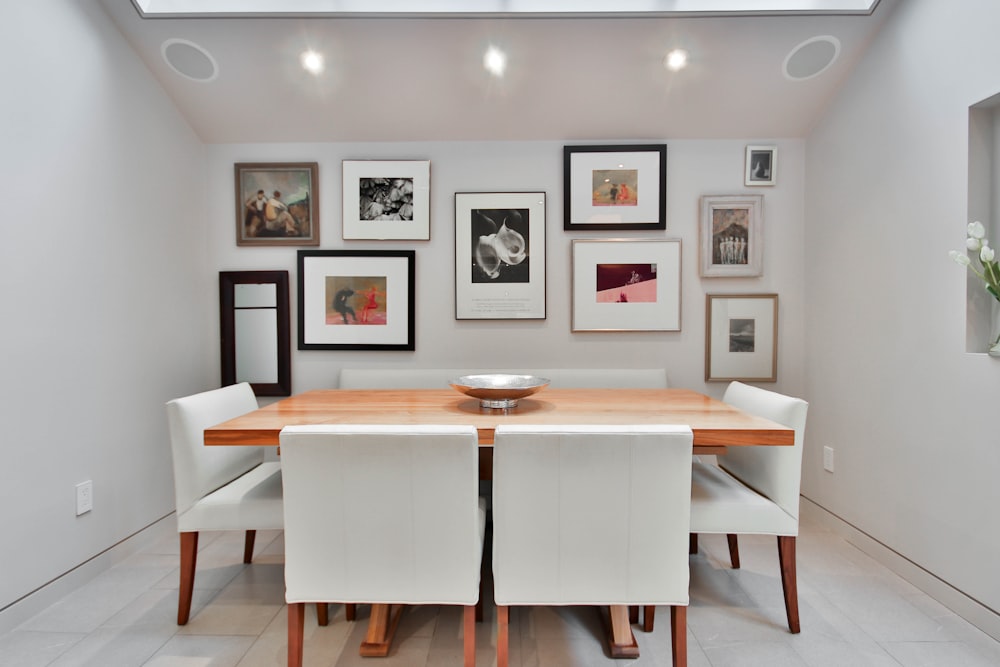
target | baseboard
x=33, y=603
x=973, y=611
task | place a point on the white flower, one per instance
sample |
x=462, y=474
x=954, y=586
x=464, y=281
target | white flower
x=986, y=254
x=960, y=257
x=973, y=244
x=976, y=230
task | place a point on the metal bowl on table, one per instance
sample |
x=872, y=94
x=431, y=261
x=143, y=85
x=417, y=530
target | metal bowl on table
x=499, y=390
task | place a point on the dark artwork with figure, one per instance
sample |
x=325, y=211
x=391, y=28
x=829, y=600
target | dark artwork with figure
x=500, y=243
x=355, y=300
x=626, y=283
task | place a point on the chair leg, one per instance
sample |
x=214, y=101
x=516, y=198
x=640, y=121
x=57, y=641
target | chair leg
x=734, y=551
x=693, y=544
x=248, y=546
x=350, y=611
x=296, y=626
x=503, y=617
x=786, y=560
x=189, y=557
x=648, y=616
x=633, y=613
x=479, y=604
x=469, y=635
x=678, y=635
x=322, y=614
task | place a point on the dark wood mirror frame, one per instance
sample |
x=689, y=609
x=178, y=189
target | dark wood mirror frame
x=228, y=280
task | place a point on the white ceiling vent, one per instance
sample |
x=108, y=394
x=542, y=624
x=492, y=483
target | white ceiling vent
x=189, y=60
x=811, y=58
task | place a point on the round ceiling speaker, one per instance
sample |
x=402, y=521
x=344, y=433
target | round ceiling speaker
x=189, y=60
x=811, y=58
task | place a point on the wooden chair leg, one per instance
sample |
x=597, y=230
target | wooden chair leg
x=248, y=546
x=633, y=613
x=296, y=626
x=189, y=557
x=469, y=635
x=734, y=551
x=678, y=635
x=648, y=617
x=786, y=560
x=322, y=614
x=350, y=611
x=693, y=544
x=479, y=604
x=503, y=617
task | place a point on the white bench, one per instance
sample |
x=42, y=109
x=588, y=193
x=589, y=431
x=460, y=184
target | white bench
x=438, y=378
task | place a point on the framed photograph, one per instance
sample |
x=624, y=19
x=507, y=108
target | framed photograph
x=627, y=285
x=499, y=255
x=277, y=203
x=761, y=165
x=741, y=337
x=732, y=233
x=387, y=200
x=615, y=187
x=356, y=300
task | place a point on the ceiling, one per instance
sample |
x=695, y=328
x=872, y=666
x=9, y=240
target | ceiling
x=405, y=78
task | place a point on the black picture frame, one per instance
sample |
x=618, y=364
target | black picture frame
x=615, y=187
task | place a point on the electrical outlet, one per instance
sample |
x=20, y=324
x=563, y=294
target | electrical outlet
x=84, y=497
x=828, y=459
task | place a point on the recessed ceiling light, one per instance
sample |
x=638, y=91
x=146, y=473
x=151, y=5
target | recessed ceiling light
x=676, y=60
x=189, y=60
x=495, y=61
x=811, y=58
x=312, y=62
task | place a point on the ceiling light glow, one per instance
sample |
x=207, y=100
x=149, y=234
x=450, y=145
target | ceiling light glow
x=495, y=61
x=676, y=60
x=312, y=62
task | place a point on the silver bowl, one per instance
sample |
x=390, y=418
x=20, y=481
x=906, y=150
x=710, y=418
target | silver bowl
x=499, y=390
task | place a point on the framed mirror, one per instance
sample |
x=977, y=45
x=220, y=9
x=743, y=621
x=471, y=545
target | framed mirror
x=255, y=331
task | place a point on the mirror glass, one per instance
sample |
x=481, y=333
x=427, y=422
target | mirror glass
x=255, y=330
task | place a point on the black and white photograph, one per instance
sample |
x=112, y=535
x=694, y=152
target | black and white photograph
x=741, y=337
x=386, y=200
x=761, y=165
x=500, y=245
x=741, y=334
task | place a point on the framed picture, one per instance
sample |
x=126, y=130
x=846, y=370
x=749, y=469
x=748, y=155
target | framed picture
x=387, y=200
x=615, y=187
x=356, y=300
x=732, y=236
x=761, y=165
x=277, y=203
x=741, y=337
x=499, y=255
x=627, y=285
x=255, y=331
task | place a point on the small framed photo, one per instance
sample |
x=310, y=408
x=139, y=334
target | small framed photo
x=499, y=255
x=387, y=200
x=741, y=337
x=356, y=300
x=732, y=236
x=277, y=203
x=761, y=165
x=626, y=285
x=615, y=187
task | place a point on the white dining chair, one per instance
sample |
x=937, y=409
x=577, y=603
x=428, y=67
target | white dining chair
x=218, y=488
x=382, y=514
x=755, y=490
x=592, y=515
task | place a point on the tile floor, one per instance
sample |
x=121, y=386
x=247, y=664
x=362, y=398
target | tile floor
x=853, y=612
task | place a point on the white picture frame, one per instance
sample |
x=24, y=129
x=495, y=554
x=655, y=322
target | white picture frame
x=732, y=236
x=760, y=166
x=386, y=200
x=626, y=285
x=741, y=337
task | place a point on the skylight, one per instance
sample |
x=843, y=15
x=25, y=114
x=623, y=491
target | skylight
x=483, y=8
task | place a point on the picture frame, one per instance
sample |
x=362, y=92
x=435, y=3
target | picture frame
x=500, y=255
x=356, y=299
x=626, y=285
x=277, y=203
x=621, y=187
x=741, y=337
x=255, y=331
x=761, y=165
x=387, y=200
x=732, y=236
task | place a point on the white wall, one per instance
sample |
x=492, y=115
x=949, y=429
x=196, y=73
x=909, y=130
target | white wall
x=103, y=285
x=911, y=415
x=694, y=168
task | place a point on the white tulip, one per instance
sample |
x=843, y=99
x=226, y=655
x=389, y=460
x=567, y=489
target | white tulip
x=960, y=257
x=976, y=230
x=973, y=244
x=986, y=254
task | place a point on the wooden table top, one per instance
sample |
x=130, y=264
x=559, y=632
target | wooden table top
x=714, y=423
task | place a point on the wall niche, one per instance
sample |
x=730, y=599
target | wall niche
x=982, y=310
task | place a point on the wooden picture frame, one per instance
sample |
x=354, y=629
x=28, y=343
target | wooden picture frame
x=356, y=299
x=277, y=203
x=387, y=200
x=626, y=285
x=732, y=236
x=255, y=331
x=618, y=188
x=741, y=337
x=500, y=255
x=761, y=166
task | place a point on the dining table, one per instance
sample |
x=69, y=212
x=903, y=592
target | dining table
x=716, y=425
